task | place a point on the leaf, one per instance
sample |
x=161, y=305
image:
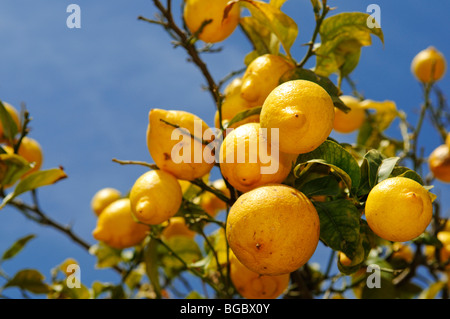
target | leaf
x=406, y=172
x=151, y=265
x=260, y=36
x=107, y=256
x=432, y=291
x=339, y=225
x=324, y=82
x=386, y=112
x=29, y=279
x=16, y=247
x=386, y=168
x=277, y=3
x=243, y=115
x=342, y=37
x=35, y=180
x=12, y=167
x=283, y=26
x=327, y=185
x=336, y=157
x=10, y=128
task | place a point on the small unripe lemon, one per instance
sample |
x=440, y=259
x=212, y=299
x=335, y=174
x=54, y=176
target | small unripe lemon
x=429, y=65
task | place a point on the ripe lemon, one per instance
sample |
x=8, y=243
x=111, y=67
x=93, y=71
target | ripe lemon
x=351, y=121
x=117, y=228
x=403, y=252
x=103, y=198
x=439, y=163
x=248, y=161
x=252, y=285
x=175, y=150
x=262, y=76
x=273, y=229
x=398, y=209
x=210, y=202
x=428, y=65
x=176, y=226
x=155, y=197
x=303, y=113
x=232, y=105
x=31, y=151
x=14, y=115
x=198, y=11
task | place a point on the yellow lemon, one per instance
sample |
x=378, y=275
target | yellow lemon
x=234, y=87
x=403, y=252
x=176, y=226
x=429, y=65
x=273, y=229
x=174, y=140
x=117, y=228
x=262, y=76
x=301, y=112
x=351, y=121
x=398, y=209
x=210, y=202
x=439, y=163
x=155, y=197
x=196, y=12
x=344, y=260
x=15, y=117
x=247, y=160
x=252, y=285
x=31, y=151
x=103, y=198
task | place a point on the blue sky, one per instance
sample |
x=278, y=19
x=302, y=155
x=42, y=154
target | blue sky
x=89, y=92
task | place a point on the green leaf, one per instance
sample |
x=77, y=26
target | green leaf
x=386, y=168
x=35, y=180
x=337, y=158
x=16, y=247
x=283, y=26
x=339, y=225
x=107, y=256
x=151, y=265
x=260, y=36
x=12, y=167
x=10, y=128
x=342, y=37
x=327, y=185
x=30, y=280
x=243, y=115
x=406, y=172
x=324, y=82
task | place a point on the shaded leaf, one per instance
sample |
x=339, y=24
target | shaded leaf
x=432, y=291
x=151, y=265
x=12, y=167
x=10, y=128
x=243, y=115
x=339, y=225
x=406, y=172
x=16, y=247
x=106, y=256
x=30, y=280
x=336, y=157
x=35, y=180
x=283, y=26
x=327, y=185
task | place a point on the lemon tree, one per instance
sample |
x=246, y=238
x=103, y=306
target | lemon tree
x=244, y=206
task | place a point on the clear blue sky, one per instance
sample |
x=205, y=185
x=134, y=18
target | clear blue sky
x=89, y=92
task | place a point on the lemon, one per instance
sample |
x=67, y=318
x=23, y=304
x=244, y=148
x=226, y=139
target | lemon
x=439, y=163
x=155, y=197
x=210, y=202
x=398, y=209
x=252, y=285
x=176, y=226
x=262, y=76
x=301, y=112
x=429, y=65
x=103, y=198
x=444, y=252
x=31, y=151
x=248, y=161
x=231, y=106
x=15, y=117
x=196, y=12
x=351, y=121
x=403, y=252
x=174, y=149
x=344, y=260
x=273, y=229
x=117, y=228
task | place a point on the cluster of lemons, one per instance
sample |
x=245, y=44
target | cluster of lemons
x=29, y=148
x=272, y=229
